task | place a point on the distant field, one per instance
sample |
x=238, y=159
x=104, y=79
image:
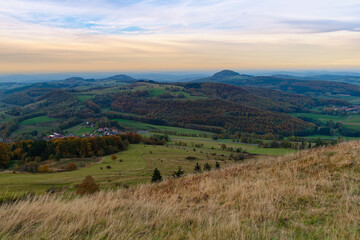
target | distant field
x=351, y=99
x=138, y=163
x=352, y=122
x=153, y=89
x=321, y=117
x=6, y=117
x=78, y=130
x=251, y=148
x=146, y=126
x=37, y=120
x=84, y=97
x=156, y=92
x=40, y=129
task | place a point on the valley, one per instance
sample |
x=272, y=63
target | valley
x=212, y=122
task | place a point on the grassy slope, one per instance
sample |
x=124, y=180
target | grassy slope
x=352, y=121
x=146, y=126
x=84, y=97
x=251, y=148
x=309, y=195
x=136, y=167
x=321, y=117
x=38, y=120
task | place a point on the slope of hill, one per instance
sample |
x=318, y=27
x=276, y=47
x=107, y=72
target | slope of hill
x=308, y=87
x=313, y=194
x=213, y=114
x=228, y=108
x=262, y=98
x=76, y=83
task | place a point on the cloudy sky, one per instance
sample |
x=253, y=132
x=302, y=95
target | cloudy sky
x=131, y=35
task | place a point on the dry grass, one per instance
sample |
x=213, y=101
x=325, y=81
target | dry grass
x=309, y=195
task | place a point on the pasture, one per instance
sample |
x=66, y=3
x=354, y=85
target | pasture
x=132, y=166
x=38, y=120
x=146, y=126
x=321, y=117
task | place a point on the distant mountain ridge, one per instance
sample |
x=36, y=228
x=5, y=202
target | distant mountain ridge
x=73, y=82
x=290, y=85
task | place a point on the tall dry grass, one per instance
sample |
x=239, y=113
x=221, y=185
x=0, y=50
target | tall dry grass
x=314, y=194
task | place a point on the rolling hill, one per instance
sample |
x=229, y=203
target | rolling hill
x=208, y=106
x=299, y=86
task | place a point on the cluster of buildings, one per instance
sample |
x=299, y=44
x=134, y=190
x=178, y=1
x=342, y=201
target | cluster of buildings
x=96, y=133
x=54, y=136
x=354, y=109
x=107, y=131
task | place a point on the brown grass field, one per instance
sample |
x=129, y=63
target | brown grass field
x=314, y=194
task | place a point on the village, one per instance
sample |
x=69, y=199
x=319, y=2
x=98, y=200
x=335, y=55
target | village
x=355, y=109
x=99, y=132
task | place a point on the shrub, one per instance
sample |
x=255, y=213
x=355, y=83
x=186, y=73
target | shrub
x=240, y=157
x=113, y=157
x=207, y=167
x=156, y=177
x=44, y=169
x=70, y=166
x=87, y=186
x=191, y=158
x=108, y=167
x=217, y=165
x=57, y=157
x=178, y=173
x=197, y=168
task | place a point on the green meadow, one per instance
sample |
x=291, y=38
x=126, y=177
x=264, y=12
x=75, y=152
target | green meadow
x=38, y=120
x=146, y=126
x=132, y=166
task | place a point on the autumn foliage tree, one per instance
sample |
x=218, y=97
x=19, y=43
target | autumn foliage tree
x=4, y=156
x=70, y=166
x=87, y=186
x=44, y=169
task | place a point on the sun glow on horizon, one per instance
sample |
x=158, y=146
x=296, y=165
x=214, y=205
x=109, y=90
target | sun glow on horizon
x=45, y=36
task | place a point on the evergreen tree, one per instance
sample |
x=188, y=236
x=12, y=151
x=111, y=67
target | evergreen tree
x=217, y=165
x=197, y=168
x=178, y=173
x=207, y=167
x=156, y=177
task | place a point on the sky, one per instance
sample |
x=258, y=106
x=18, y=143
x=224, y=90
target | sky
x=141, y=35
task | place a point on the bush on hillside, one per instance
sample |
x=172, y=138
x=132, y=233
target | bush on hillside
x=87, y=186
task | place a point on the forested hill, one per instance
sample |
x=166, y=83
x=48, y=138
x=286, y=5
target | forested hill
x=262, y=98
x=308, y=87
x=64, y=106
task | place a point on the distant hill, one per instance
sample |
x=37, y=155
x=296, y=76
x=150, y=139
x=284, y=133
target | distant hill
x=292, y=85
x=262, y=98
x=212, y=115
x=210, y=104
x=75, y=83
x=119, y=78
x=324, y=77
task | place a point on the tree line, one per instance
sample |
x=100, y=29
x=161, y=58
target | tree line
x=32, y=152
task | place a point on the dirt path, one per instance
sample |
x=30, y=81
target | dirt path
x=78, y=129
x=349, y=117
